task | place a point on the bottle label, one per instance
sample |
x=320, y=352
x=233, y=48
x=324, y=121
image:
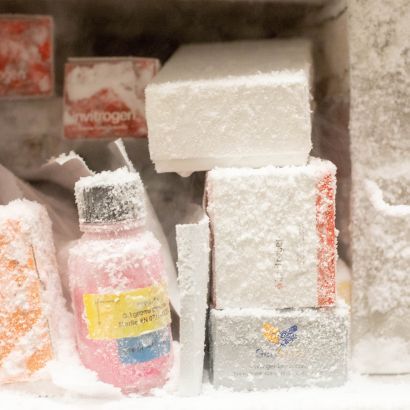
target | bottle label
x=144, y=348
x=127, y=314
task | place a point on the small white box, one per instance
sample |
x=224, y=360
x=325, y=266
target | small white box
x=256, y=349
x=274, y=237
x=243, y=103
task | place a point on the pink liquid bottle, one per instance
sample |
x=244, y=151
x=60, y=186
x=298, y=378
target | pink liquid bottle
x=118, y=285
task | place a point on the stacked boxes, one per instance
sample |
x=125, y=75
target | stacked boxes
x=274, y=247
x=247, y=104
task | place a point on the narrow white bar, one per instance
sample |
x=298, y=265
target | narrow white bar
x=193, y=277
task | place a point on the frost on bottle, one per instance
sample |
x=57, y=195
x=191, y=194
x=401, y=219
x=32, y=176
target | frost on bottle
x=118, y=285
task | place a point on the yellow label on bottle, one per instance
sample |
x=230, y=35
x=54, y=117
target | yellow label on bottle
x=127, y=314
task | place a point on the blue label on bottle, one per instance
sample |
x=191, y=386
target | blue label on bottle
x=144, y=348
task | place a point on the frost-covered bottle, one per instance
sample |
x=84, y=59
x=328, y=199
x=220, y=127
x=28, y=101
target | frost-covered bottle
x=118, y=285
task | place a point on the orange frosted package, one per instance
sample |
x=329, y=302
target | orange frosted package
x=26, y=56
x=28, y=285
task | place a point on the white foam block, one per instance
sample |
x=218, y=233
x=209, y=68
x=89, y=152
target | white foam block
x=254, y=349
x=193, y=277
x=274, y=239
x=244, y=103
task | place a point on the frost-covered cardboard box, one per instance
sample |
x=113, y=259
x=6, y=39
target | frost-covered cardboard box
x=274, y=239
x=26, y=56
x=104, y=97
x=254, y=349
x=244, y=103
x=30, y=293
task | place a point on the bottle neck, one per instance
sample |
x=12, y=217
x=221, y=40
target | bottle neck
x=118, y=229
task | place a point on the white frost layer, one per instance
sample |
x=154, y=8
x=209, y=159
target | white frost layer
x=376, y=197
x=360, y=393
x=265, y=239
x=117, y=194
x=193, y=277
x=244, y=103
x=381, y=263
x=372, y=353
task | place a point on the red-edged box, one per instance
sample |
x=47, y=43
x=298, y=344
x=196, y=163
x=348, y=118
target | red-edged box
x=104, y=97
x=274, y=236
x=26, y=56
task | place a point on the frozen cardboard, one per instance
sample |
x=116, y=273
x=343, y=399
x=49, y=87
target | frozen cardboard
x=255, y=349
x=104, y=97
x=244, y=103
x=381, y=267
x=274, y=238
x=26, y=56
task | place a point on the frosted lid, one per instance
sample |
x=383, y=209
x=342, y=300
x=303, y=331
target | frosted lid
x=109, y=197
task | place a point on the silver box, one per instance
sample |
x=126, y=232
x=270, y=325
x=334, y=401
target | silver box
x=254, y=349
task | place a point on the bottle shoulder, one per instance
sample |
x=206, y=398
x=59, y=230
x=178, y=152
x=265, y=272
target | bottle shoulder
x=92, y=247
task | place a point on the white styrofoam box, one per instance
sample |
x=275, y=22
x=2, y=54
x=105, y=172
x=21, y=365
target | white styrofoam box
x=254, y=349
x=244, y=103
x=381, y=272
x=274, y=239
x=193, y=277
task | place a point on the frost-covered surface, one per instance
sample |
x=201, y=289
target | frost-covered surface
x=193, y=278
x=379, y=35
x=113, y=255
x=257, y=348
x=273, y=235
x=360, y=393
x=111, y=197
x=30, y=133
x=381, y=287
x=104, y=98
x=195, y=121
x=380, y=81
x=32, y=306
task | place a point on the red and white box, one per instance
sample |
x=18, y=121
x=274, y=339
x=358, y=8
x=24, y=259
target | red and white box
x=274, y=236
x=104, y=97
x=26, y=56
